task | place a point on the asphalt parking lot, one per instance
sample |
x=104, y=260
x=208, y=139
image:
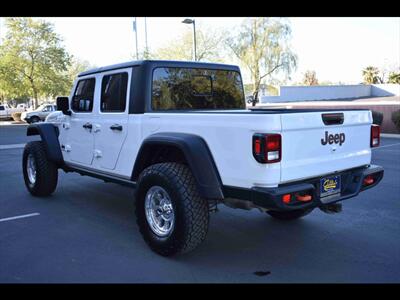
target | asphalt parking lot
x=86, y=232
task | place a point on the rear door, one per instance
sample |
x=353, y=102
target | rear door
x=318, y=143
x=111, y=126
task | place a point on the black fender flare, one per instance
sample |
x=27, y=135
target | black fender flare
x=197, y=155
x=49, y=134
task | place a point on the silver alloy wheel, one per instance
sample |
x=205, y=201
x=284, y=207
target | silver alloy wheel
x=159, y=211
x=31, y=169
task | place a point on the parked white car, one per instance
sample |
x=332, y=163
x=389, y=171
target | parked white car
x=38, y=114
x=6, y=111
x=180, y=134
x=22, y=106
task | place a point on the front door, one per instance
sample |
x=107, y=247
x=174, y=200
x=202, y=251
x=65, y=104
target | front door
x=111, y=129
x=80, y=137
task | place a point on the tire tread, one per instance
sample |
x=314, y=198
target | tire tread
x=46, y=171
x=195, y=208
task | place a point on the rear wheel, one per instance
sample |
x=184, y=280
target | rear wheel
x=40, y=174
x=289, y=215
x=171, y=215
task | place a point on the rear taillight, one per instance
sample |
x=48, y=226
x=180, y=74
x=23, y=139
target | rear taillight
x=368, y=180
x=375, y=135
x=267, y=148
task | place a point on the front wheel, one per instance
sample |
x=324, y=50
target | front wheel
x=40, y=174
x=171, y=215
x=34, y=119
x=289, y=215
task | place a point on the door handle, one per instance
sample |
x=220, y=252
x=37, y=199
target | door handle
x=116, y=127
x=87, y=126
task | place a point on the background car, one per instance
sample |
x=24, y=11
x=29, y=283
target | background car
x=6, y=111
x=38, y=114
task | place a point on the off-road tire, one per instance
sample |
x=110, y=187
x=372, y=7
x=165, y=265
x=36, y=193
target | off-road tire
x=191, y=211
x=289, y=215
x=46, y=171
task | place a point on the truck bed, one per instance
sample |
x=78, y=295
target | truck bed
x=229, y=133
x=256, y=111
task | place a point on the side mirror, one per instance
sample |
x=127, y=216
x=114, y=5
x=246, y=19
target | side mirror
x=63, y=105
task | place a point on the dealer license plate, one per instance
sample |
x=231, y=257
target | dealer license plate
x=330, y=186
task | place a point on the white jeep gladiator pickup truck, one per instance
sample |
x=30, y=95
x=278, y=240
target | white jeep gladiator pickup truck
x=180, y=134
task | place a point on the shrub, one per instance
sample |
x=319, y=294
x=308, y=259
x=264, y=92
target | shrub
x=16, y=116
x=396, y=118
x=377, y=117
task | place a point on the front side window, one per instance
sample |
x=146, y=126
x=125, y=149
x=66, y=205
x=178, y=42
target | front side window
x=113, y=92
x=82, y=101
x=48, y=108
x=190, y=89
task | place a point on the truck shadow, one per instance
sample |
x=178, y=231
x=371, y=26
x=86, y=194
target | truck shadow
x=238, y=241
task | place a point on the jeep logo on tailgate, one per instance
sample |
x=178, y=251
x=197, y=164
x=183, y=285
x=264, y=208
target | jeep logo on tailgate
x=337, y=138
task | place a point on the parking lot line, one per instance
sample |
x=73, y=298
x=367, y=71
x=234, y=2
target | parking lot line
x=11, y=146
x=19, y=217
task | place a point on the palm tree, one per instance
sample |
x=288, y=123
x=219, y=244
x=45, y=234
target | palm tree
x=310, y=78
x=370, y=75
x=394, y=78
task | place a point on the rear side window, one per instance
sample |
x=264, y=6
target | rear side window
x=189, y=88
x=113, y=92
x=82, y=101
x=2, y=107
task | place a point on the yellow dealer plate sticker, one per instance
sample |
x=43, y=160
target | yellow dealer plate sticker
x=330, y=185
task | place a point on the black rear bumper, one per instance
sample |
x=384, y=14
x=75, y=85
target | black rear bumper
x=271, y=198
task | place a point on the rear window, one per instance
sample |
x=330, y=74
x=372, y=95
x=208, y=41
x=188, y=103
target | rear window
x=187, y=88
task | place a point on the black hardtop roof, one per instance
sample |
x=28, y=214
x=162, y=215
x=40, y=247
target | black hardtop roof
x=162, y=63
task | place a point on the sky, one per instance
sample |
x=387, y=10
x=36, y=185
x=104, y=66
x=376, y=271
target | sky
x=336, y=48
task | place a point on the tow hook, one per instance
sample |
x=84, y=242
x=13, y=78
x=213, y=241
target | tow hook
x=332, y=208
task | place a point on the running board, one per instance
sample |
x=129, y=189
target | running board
x=102, y=176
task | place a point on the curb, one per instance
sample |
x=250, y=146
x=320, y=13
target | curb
x=390, y=135
x=11, y=123
x=11, y=146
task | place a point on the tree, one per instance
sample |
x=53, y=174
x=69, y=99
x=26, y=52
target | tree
x=77, y=66
x=32, y=60
x=310, y=78
x=371, y=75
x=208, y=47
x=10, y=87
x=262, y=45
x=394, y=77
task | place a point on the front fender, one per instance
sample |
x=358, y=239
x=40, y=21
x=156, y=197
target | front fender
x=49, y=134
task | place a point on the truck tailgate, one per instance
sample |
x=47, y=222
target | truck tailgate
x=311, y=147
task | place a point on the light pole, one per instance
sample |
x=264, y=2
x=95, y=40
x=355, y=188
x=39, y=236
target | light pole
x=135, y=29
x=192, y=21
x=145, y=36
